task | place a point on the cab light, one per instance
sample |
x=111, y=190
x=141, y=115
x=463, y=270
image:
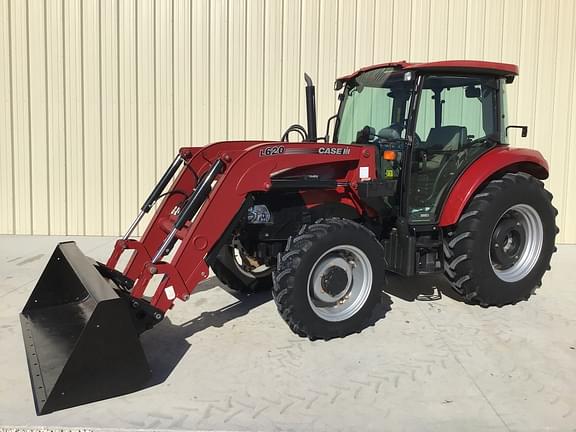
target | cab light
x=389, y=155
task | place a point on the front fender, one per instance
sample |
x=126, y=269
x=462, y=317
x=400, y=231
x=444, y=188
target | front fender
x=500, y=159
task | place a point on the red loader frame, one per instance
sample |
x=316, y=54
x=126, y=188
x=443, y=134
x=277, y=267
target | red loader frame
x=238, y=168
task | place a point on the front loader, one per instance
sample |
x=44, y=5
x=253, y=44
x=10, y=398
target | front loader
x=418, y=178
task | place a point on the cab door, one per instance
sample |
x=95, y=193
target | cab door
x=458, y=119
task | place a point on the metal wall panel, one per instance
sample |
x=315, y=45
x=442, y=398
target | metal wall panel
x=97, y=95
x=6, y=158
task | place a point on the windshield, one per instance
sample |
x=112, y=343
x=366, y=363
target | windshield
x=374, y=107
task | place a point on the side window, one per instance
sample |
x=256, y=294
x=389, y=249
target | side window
x=503, y=112
x=425, y=114
x=459, y=106
x=463, y=111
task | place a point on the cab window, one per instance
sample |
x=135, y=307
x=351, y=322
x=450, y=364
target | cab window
x=374, y=107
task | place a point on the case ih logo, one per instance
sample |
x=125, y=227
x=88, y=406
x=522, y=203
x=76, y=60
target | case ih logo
x=334, y=150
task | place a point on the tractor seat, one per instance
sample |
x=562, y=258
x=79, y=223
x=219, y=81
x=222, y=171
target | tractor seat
x=443, y=139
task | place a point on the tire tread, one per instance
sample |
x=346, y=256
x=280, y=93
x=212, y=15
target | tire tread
x=459, y=241
x=284, y=275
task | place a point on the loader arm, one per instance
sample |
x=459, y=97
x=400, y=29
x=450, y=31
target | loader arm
x=247, y=167
x=196, y=160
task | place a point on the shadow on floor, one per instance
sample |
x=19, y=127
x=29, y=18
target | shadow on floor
x=166, y=344
x=421, y=288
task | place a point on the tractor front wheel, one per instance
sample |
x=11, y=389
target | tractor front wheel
x=329, y=279
x=503, y=242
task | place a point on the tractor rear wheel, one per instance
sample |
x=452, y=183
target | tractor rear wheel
x=329, y=279
x=240, y=272
x=503, y=242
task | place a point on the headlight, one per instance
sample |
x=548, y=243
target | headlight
x=259, y=214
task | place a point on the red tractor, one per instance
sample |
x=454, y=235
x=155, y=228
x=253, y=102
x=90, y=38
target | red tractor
x=416, y=178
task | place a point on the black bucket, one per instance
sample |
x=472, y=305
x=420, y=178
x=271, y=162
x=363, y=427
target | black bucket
x=81, y=340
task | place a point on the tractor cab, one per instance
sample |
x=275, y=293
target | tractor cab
x=429, y=121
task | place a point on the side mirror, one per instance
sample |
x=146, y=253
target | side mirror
x=523, y=128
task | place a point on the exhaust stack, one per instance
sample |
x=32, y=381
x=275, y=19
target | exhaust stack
x=311, y=108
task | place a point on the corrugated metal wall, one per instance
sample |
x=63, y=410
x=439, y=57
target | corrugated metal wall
x=96, y=96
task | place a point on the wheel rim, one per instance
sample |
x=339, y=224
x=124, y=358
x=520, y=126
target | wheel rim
x=339, y=283
x=516, y=243
x=248, y=266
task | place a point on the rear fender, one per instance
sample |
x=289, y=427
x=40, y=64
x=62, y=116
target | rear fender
x=491, y=164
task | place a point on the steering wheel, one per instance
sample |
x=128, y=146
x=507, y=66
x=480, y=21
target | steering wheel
x=391, y=133
x=394, y=132
x=397, y=126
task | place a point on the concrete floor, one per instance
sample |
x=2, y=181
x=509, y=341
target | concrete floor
x=225, y=364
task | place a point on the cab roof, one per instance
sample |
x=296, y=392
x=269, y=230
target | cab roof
x=464, y=66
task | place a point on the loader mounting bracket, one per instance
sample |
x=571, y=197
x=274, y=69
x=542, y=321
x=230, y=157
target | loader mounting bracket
x=124, y=283
x=144, y=315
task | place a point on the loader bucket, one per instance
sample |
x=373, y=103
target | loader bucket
x=80, y=338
